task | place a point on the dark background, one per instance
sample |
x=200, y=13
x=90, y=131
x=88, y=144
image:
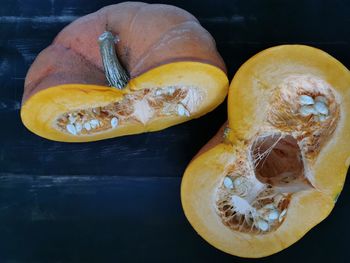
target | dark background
x=118, y=200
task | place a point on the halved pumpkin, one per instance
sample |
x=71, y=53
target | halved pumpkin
x=279, y=165
x=77, y=89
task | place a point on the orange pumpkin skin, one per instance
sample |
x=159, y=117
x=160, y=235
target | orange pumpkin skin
x=150, y=36
x=276, y=168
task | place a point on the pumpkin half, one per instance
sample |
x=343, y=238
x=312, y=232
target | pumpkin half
x=127, y=68
x=279, y=165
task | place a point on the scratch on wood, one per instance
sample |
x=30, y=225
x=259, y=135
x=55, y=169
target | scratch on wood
x=235, y=19
x=42, y=181
x=68, y=11
x=38, y=19
x=4, y=67
x=26, y=48
x=7, y=105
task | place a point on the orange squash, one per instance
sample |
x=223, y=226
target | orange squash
x=77, y=89
x=277, y=168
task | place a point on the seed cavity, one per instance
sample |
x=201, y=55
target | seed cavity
x=295, y=104
x=247, y=209
x=141, y=106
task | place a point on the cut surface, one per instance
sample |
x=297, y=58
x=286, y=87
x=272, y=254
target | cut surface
x=266, y=182
x=162, y=97
x=276, y=163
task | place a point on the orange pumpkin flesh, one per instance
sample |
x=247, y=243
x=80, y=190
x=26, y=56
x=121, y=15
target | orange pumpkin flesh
x=277, y=168
x=175, y=73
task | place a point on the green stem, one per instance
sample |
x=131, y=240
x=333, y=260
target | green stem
x=115, y=73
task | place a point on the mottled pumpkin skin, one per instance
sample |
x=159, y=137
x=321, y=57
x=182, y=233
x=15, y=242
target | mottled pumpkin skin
x=150, y=35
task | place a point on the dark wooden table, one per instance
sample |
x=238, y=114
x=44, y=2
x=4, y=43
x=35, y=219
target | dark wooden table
x=119, y=200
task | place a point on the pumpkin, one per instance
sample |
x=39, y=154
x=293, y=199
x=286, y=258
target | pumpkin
x=278, y=166
x=125, y=69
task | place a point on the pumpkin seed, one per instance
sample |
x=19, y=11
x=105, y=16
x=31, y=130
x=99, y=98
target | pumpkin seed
x=306, y=100
x=87, y=126
x=181, y=110
x=322, y=118
x=307, y=111
x=72, y=119
x=269, y=206
x=262, y=225
x=78, y=127
x=320, y=107
x=158, y=92
x=96, y=110
x=170, y=90
x=228, y=182
x=238, y=182
x=71, y=129
x=94, y=123
x=321, y=99
x=283, y=213
x=273, y=215
x=114, y=122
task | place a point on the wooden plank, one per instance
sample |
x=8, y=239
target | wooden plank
x=125, y=219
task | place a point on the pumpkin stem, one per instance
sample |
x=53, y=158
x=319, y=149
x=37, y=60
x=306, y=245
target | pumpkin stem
x=115, y=73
